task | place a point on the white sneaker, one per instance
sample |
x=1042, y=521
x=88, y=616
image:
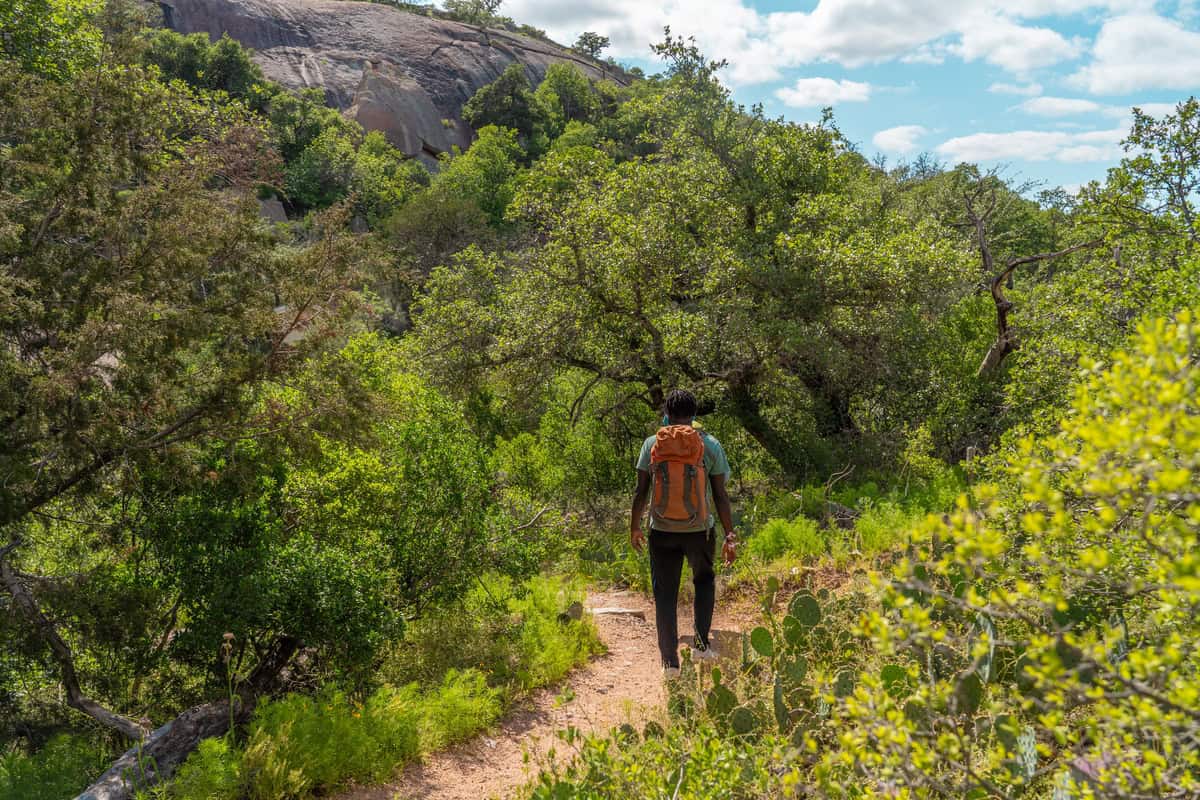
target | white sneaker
x=707, y=654
x=670, y=673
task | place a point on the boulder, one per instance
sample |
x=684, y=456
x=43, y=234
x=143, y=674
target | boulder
x=405, y=74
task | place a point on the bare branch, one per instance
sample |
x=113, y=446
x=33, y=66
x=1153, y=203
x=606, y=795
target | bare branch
x=1006, y=342
x=25, y=602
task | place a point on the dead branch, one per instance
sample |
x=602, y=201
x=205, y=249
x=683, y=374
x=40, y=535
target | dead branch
x=978, y=214
x=25, y=602
x=1006, y=340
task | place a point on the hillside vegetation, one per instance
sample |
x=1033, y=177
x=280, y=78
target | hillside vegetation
x=322, y=491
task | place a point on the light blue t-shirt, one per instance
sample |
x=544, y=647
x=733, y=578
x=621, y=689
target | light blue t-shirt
x=715, y=463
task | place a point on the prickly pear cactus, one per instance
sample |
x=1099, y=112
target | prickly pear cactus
x=1064, y=787
x=983, y=629
x=720, y=702
x=1027, y=753
x=782, y=714
x=762, y=642
x=806, y=610
x=895, y=680
x=743, y=721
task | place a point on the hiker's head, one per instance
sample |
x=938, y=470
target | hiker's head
x=680, y=407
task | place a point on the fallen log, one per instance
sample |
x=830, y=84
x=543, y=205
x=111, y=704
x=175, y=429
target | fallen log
x=156, y=757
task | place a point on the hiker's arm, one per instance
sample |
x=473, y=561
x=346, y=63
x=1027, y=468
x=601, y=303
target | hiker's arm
x=725, y=513
x=640, y=496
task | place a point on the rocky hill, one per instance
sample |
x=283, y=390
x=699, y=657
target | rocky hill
x=405, y=74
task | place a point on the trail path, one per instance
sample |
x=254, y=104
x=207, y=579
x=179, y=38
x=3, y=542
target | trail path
x=623, y=685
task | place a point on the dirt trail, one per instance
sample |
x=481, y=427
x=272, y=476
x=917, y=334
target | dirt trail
x=623, y=685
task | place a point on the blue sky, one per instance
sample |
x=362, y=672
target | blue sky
x=1041, y=87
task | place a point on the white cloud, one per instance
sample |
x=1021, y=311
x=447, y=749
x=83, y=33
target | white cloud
x=1141, y=51
x=1060, y=106
x=809, y=92
x=1014, y=47
x=901, y=139
x=1091, y=146
x=928, y=54
x=1027, y=89
x=850, y=33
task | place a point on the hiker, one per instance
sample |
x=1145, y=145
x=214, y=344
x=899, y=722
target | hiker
x=687, y=470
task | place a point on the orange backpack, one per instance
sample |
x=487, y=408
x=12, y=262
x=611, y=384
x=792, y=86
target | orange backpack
x=680, y=480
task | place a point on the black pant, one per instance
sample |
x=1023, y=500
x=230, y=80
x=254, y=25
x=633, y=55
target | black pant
x=667, y=551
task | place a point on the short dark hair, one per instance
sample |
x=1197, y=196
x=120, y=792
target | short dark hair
x=681, y=404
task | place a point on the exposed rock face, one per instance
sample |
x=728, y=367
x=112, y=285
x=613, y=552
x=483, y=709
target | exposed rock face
x=405, y=74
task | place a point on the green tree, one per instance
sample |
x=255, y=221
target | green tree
x=384, y=179
x=52, y=38
x=508, y=102
x=330, y=536
x=484, y=173
x=1155, y=188
x=755, y=260
x=591, y=44
x=321, y=175
x=1145, y=264
x=473, y=12
x=567, y=95
x=179, y=307
x=223, y=65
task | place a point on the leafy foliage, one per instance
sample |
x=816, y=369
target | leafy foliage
x=591, y=44
x=223, y=65
x=57, y=770
x=665, y=268
x=51, y=38
x=509, y=102
x=437, y=694
x=1039, y=641
x=1098, y=656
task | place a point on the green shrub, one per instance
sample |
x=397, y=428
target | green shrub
x=463, y=705
x=799, y=536
x=696, y=763
x=605, y=558
x=547, y=648
x=64, y=766
x=883, y=526
x=212, y=772
x=509, y=631
x=1052, y=621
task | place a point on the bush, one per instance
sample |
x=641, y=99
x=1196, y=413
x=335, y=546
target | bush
x=884, y=525
x=1067, y=602
x=212, y=772
x=697, y=763
x=799, y=536
x=63, y=767
x=509, y=631
x=463, y=705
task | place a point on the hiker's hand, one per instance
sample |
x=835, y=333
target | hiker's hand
x=637, y=539
x=729, y=551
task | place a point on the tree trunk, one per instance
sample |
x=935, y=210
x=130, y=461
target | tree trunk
x=745, y=408
x=831, y=415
